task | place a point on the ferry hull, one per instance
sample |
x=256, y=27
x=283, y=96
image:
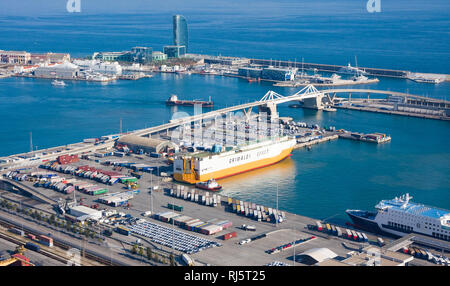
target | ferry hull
x=235, y=170
x=364, y=223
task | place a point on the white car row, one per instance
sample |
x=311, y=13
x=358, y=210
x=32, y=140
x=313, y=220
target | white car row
x=181, y=241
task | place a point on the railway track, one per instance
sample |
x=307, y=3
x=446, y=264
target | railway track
x=42, y=251
x=65, y=246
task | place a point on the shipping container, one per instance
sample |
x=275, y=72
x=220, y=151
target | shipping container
x=175, y=207
x=98, y=192
x=360, y=237
x=229, y=235
x=333, y=230
x=365, y=238
x=349, y=233
x=122, y=230
x=338, y=231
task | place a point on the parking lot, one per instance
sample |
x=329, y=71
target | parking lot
x=169, y=237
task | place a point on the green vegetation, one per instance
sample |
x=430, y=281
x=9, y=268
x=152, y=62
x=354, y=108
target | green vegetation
x=149, y=253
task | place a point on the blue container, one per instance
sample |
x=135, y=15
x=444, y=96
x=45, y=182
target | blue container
x=155, y=155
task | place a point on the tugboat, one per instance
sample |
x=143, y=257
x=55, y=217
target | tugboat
x=210, y=185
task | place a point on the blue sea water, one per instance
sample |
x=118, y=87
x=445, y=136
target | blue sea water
x=323, y=182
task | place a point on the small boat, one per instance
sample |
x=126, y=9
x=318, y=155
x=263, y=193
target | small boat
x=251, y=79
x=210, y=185
x=57, y=82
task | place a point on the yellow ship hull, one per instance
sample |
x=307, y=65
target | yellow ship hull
x=191, y=179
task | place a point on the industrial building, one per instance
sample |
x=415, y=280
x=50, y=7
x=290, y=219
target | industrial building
x=269, y=73
x=147, y=145
x=250, y=72
x=174, y=51
x=65, y=70
x=82, y=213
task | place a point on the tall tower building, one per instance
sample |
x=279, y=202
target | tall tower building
x=180, y=31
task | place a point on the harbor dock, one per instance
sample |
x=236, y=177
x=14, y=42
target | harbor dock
x=137, y=173
x=373, y=137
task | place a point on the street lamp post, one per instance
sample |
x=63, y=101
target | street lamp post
x=151, y=192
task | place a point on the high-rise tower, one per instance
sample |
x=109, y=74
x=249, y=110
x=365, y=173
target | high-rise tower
x=180, y=31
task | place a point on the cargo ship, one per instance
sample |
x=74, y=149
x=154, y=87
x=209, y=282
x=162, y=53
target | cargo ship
x=203, y=166
x=173, y=100
x=400, y=217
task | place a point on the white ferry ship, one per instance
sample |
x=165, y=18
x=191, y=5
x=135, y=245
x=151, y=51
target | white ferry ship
x=399, y=217
x=203, y=166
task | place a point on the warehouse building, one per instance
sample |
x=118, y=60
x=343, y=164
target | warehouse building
x=82, y=213
x=279, y=74
x=269, y=73
x=250, y=72
x=148, y=145
x=65, y=70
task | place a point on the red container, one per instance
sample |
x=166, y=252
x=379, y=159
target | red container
x=229, y=235
x=66, y=159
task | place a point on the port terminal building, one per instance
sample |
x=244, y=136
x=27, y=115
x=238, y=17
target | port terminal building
x=146, y=144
